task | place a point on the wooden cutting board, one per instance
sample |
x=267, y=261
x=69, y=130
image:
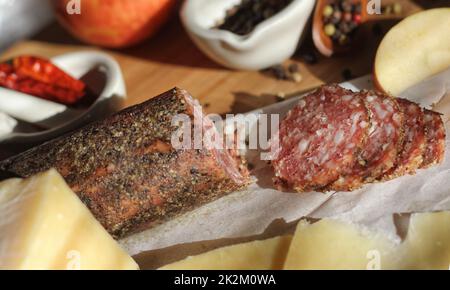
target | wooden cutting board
x=170, y=59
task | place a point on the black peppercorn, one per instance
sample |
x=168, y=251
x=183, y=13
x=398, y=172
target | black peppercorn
x=347, y=74
x=243, y=18
x=309, y=58
x=293, y=68
x=279, y=72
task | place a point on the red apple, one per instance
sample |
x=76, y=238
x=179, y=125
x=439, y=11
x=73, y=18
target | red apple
x=113, y=23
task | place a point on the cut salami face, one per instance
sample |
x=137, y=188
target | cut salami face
x=435, y=139
x=320, y=138
x=384, y=140
x=410, y=157
x=336, y=139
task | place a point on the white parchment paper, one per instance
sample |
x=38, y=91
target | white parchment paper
x=251, y=211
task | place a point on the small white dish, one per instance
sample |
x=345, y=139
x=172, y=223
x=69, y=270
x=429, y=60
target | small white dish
x=270, y=43
x=57, y=117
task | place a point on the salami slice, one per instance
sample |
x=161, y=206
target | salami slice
x=435, y=139
x=320, y=138
x=383, y=142
x=335, y=139
x=410, y=157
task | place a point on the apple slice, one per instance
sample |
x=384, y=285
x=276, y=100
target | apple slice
x=413, y=50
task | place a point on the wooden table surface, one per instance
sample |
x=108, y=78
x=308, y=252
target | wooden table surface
x=170, y=59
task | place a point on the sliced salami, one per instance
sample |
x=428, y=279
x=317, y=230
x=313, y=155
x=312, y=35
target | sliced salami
x=435, y=139
x=384, y=141
x=320, y=138
x=410, y=157
x=335, y=139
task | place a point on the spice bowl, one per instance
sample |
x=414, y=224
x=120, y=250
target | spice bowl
x=270, y=42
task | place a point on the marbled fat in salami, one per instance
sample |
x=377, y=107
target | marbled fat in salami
x=335, y=139
x=435, y=138
x=382, y=145
x=320, y=138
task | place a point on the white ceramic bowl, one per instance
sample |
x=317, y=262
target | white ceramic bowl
x=35, y=110
x=270, y=43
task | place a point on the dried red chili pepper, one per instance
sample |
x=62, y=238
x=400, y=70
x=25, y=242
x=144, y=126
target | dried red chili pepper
x=41, y=78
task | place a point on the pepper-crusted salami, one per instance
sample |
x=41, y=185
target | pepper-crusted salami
x=435, y=138
x=320, y=138
x=126, y=171
x=410, y=157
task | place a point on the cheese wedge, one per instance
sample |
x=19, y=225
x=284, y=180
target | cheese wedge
x=258, y=255
x=331, y=244
x=427, y=244
x=44, y=225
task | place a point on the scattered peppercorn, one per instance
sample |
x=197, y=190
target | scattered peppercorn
x=310, y=58
x=278, y=71
x=290, y=72
x=293, y=68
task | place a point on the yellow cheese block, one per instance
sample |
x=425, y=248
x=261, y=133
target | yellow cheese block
x=427, y=245
x=44, y=225
x=330, y=244
x=258, y=255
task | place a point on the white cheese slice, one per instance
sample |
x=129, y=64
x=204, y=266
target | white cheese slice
x=331, y=244
x=427, y=244
x=44, y=225
x=257, y=255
